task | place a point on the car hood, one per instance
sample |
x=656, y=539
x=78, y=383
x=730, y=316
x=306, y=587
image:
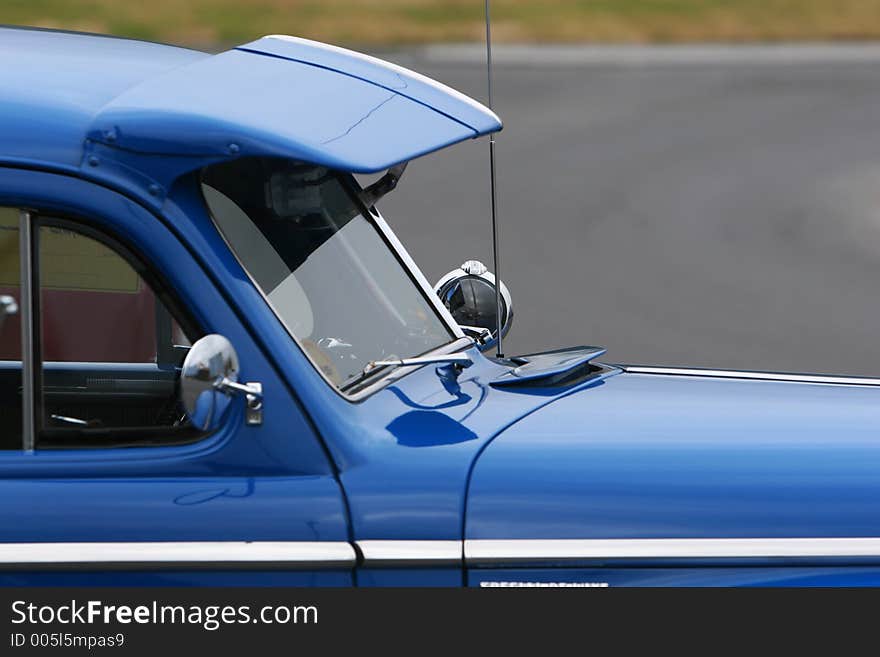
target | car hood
x=659, y=456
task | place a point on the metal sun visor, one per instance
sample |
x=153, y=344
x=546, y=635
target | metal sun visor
x=287, y=97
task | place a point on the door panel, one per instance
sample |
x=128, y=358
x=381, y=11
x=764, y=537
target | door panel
x=110, y=511
x=109, y=396
x=241, y=486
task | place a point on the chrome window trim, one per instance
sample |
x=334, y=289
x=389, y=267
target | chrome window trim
x=754, y=376
x=495, y=552
x=373, y=216
x=410, y=553
x=292, y=554
x=26, y=302
x=414, y=271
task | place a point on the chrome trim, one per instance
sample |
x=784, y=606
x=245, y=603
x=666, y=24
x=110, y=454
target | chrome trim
x=66, y=419
x=463, y=272
x=399, y=372
x=253, y=416
x=494, y=552
x=476, y=269
x=757, y=376
x=26, y=294
x=409, y=553
x=287, y=553
x=460, y=358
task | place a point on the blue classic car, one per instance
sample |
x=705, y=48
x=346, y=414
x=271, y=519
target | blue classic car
x=219, y=366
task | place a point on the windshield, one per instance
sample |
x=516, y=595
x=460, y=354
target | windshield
x=323, y=265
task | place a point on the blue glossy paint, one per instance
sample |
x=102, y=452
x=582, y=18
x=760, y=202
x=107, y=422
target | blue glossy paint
x=109, y=106
x=269, y=106
x=54, y=84
x=388, y=76
x=449, y=577
x=402, y=481
x=648, y=456
x=115, y=137
x=407, y=479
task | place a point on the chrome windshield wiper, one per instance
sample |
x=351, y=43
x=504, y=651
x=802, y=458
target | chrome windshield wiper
x=459, y=360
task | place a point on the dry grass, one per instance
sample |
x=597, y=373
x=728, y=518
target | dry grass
x=393, y=22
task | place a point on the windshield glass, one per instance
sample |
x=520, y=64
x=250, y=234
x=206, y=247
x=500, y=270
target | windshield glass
x=323, y=265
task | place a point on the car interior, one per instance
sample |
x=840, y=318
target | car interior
x=109, y=349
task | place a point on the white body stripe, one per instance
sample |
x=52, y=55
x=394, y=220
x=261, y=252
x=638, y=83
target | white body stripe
x=201, y=552
x=411, y=552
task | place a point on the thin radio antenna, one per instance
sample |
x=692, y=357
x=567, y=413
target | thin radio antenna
x=495, y=236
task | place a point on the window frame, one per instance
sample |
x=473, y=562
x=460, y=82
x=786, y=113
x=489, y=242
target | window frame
x=37, y=437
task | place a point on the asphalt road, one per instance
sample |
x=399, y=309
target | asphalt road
x=707, y=207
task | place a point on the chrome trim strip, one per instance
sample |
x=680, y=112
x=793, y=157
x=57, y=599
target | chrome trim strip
x=286, y=553
x=399, y=372
x=410, y=553
x=485, y=552
x=26, y=292
x=758, y=376
x=460, y=359
x=416, y=272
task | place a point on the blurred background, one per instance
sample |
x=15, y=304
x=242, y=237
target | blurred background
x=685, y=182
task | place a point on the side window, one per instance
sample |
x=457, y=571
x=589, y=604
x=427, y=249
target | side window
x=10, y=331
x=95, y=308
x=109, y=346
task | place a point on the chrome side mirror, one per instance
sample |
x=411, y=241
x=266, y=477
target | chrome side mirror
x=8, y=306
x=208, y=381
x=469, y=295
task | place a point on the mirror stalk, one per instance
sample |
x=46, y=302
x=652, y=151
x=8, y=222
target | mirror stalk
x=209, y=378
x=229, y=386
